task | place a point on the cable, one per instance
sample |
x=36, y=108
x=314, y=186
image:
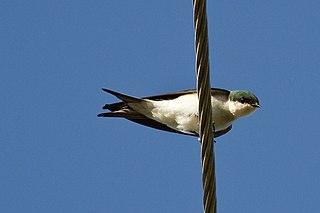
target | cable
x=206, y=134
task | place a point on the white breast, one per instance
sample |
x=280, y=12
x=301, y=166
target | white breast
x=182, y=113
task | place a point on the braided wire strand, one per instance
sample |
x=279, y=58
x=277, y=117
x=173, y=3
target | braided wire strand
x=206, y=134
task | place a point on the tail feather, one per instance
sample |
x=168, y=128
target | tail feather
x=114, y=106
x=121, y=109
x=123, y=97
x=123, y=113
x=110, y=114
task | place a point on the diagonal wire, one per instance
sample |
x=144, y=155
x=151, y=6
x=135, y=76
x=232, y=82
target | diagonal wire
x=206, y=134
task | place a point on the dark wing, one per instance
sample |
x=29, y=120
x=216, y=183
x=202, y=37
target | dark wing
x=131, y=115
x=220, y=94
x=222, y=132
x=141, y=119
x=154, y=124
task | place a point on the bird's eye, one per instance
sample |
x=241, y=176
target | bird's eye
x=242, y=100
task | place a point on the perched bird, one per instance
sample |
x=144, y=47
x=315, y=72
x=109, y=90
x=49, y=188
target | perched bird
x=178, y=112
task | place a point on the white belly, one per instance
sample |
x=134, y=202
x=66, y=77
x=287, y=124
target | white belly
x=181, y=113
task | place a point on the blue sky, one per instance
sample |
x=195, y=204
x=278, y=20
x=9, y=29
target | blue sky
x=57, y=156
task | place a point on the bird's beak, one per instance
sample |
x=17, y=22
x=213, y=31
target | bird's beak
x=255, y=105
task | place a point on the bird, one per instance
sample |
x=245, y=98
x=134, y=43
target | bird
x=177, y=112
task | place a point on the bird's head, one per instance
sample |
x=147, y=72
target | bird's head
x=243, y=102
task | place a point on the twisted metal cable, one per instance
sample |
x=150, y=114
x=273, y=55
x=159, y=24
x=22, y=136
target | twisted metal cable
x=206, y=134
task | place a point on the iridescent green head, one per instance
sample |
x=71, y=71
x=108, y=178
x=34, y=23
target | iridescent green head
x=244, y=97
